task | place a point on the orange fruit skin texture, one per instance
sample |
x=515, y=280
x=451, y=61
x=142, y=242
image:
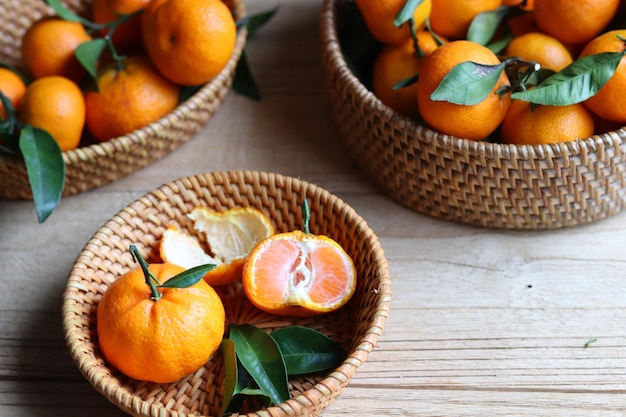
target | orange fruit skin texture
x=548, y=51
x=395, y=63
x=298, y=274
x=380, y=14
x=471, y=122
x=608, y=103
x=127, y=36
x=545, y=124
x=13, y=88
x=48, y=48
x=574, y=21
x=452, y=18
x=55, y=104
x=128, y=99
x=164, y=340
x=190, y=41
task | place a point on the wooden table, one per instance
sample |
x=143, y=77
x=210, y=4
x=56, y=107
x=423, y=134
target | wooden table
x=482, y=322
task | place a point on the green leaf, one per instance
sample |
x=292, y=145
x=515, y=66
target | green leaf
x=88, y=54
x=575, y=83
x=306, y=350
x=187, y=278
x=243, y=81
x=231, y=375
x=255, y=21
x=45, y=168
x=63, y=12
x=485, y=25
x=468, y=83
x=406, y=82
x=260, y=356
x=501, y=43
x=407, y=12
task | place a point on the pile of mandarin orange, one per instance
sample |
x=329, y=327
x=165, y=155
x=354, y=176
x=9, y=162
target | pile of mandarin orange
x=163, y=46
x=552, y=33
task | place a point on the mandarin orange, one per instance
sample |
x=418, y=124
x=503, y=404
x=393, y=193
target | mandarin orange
x=48, y=48
x=608, y=102
x=379, y=16
x=56, y=105
x=190, y=41
x=574, y=21
x=128, y=98
x=474, y=122
x=159, y=337
x=527, y=124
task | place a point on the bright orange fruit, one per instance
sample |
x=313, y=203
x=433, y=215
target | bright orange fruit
x=574, y=21
x=543, y=124
x=129, y=98
x=299, y=274
x=48, y=48
x=127, y=36
x=159, y=340
x=474, y=122
x=190, y=41
x=12, y=87
x=379, y=16
x=608, y=102
x=56, y=105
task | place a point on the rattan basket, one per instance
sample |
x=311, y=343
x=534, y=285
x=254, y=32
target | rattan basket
x=356, y=326
x=97, y=164
x=478, y=183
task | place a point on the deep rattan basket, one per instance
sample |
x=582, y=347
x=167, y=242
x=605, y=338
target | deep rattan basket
x=478, y=183
x=356, y=326
x=97, y=164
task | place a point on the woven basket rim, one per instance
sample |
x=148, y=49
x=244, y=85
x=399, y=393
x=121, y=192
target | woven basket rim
x=340, y=376
x=332, y=46
x=134, y=137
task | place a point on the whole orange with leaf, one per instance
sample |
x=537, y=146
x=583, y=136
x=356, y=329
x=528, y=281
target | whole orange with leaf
x=607, y=103
x=127, y=36
x=48, y=48
x=155, y=333
x=395, y=63
x=474, y=122
x=379, y=16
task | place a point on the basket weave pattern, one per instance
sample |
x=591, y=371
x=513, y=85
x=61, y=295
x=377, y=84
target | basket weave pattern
x=98, y=164
x=478, y=183
x=356, y=326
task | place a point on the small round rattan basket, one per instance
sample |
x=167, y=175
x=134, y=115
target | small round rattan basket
x=94, y=165
x=356, y=326
x=478, y=183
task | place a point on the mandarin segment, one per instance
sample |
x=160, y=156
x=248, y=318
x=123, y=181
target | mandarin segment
x=299, y=274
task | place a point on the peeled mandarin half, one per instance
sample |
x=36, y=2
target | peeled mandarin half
x=228, y=237
x=299, y=274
